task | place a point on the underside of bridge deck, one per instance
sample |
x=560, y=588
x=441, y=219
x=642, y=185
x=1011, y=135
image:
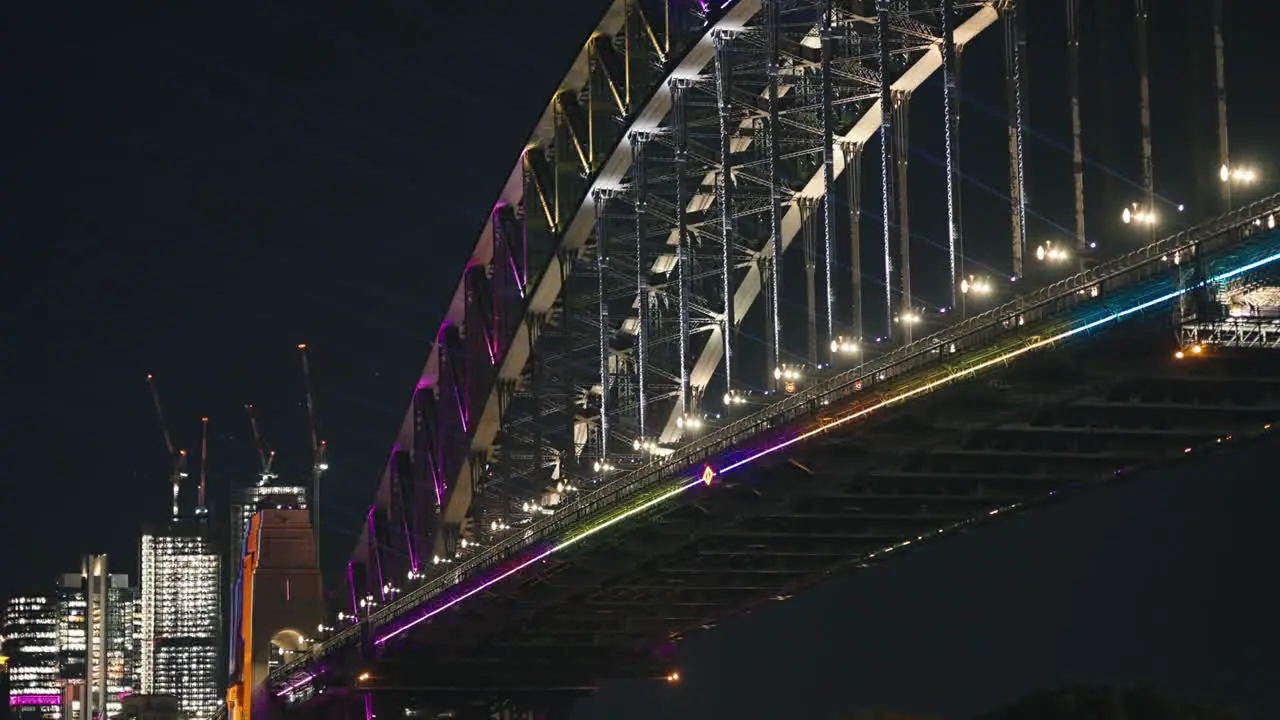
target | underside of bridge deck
x=1073, y=417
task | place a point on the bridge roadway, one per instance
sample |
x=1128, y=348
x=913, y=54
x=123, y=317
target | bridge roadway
x=1067, y=387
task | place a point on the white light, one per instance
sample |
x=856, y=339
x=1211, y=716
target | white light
x=1051, y=253
x=1224, y=173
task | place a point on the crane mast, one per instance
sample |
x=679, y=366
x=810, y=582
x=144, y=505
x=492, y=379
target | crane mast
x=201, y=510
x=266, y=456
x=177, y=458
x=319, y=459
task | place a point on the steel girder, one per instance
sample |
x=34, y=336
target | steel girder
x=683, y=153
x=1074, y=418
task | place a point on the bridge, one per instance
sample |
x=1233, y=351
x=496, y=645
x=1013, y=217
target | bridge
x=642, y=415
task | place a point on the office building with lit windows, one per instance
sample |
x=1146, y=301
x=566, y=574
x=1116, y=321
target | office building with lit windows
x=97, y=641
x=246, y=502
x=31, y=644
x=181, y=617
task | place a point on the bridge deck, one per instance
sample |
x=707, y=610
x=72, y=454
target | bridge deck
x=1035, y=430
x=844, y=472
x=1095, y=407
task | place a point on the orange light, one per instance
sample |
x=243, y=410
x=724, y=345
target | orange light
x=204, y=419
x=302, y=346
x=790, y=387
x=1196, y=349
x=362, y=677
x=673, y=677
x=1179, y=355
x=708, y=475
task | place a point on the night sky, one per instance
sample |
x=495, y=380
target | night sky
x=192, y=189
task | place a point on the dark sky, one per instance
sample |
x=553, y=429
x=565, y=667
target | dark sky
x=191, y=189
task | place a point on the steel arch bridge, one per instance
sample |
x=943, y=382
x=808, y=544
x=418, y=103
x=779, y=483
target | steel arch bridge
x=597, y=349
x=653, y=174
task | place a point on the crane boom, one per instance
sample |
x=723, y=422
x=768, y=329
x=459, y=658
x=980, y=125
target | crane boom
x=266, y=456
x=319, y=449
x=177, y=458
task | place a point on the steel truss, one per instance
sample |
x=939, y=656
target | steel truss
x=1254, y=333
x=607, y=316
x=860, y=496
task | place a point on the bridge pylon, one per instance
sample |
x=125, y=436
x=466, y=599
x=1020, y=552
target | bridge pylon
x=278, y=603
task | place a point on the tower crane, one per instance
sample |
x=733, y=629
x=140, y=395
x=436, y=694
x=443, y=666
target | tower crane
x=266, y=456
x=319, y=449
x=177, y=458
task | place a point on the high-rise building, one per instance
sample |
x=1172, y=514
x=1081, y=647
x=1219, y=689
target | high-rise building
x=181, y=613
x=4, y=682
x=31, y=644
x=97, y=641
x=245, y=502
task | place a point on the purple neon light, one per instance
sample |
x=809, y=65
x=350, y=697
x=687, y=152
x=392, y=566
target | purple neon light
x=306, y=679
x=351, y=585
x=538, y=557
x=377, y=557
x=473, y=591
x=408, y=536
x=710, y=473
x=28, y=700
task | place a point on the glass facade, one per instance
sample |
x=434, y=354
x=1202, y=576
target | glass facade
x=31, y=644
x=75, y=648
x=97, y=635
x=180, y=612
x=248, y=501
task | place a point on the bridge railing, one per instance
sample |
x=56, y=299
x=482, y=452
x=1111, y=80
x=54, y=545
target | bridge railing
x=995, y=324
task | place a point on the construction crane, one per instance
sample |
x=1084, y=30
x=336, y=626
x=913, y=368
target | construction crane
x=266, y=456
x=319, y=450
x=177, y=458
x=204, y=465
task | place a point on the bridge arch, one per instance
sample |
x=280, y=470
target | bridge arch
x=462, y=432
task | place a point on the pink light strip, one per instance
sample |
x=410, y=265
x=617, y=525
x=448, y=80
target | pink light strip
x=710, y=473
x=540, y=556
x=296, y=685
x=29, y=700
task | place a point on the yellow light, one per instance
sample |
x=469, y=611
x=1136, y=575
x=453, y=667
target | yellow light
x=1196, y=349
x=362, y=677
x=1179, y=355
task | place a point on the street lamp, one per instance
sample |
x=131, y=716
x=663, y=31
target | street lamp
x=1048, y=252
x=1136, y=214
x=844, y=346
x=974, y=285
x=1237, y=175
x=788, y=375
x=689, y=422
